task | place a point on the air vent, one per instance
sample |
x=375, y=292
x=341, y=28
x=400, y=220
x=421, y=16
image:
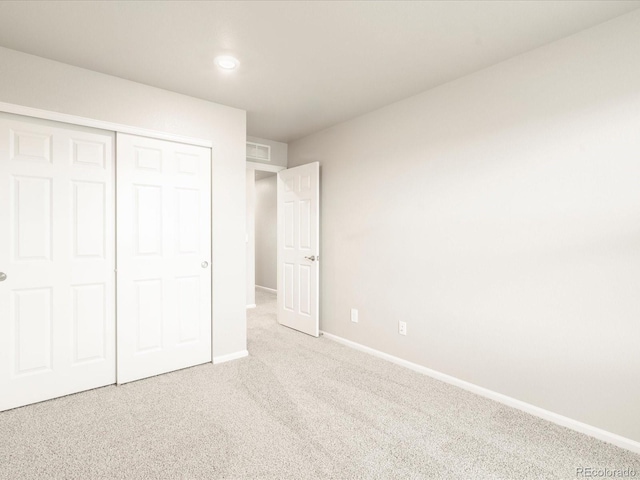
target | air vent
x=256, y=151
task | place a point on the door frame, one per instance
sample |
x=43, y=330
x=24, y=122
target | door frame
x=250, y=234
x=128, y=129
x=251, y=167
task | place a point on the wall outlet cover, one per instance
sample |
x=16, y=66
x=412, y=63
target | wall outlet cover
x=354, y=315
x=402, y=328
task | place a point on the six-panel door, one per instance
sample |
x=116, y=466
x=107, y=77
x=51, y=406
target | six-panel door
x=164, y=245
x=57, y=250
x=298, y=247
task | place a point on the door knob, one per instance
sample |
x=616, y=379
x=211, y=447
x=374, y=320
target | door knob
x=312, y=258
x=3, y=276
x=204, y=264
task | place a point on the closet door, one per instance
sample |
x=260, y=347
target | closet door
x=164, y=256
x=57, y=258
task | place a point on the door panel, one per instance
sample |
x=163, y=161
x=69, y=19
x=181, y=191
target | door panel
x=90, y=323
x=298, y=248
x=57, y=248
x=164, y=245
x=31, y=223
x=33, y=316
x=89, y=219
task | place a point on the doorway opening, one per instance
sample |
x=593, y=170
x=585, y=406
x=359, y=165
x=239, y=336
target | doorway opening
x=266, y=233
x=262, y=232
x=283, y=235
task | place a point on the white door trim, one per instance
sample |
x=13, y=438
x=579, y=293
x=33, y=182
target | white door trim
x=265, y=168
x=89, y=122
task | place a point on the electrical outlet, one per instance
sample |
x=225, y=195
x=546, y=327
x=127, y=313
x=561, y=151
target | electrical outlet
x=402, y=328
x=354, y=315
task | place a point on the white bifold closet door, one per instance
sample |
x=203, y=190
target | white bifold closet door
x=57, y=258
x=164, y=256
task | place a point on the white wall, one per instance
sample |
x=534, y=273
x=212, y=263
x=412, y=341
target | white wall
x=499, y=215
x=40, y=83
x=250, y=284
x=266, y=218
x=278, y=151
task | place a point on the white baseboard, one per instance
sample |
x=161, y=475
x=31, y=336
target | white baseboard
x=558, y=419
x=266, y=289
x=230, y=356
x=251, y=305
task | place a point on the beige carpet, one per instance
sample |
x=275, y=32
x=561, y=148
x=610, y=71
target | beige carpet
x=297, y=408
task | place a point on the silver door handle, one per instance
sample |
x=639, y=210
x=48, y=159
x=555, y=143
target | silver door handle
x=204, y=264
x=312, y=258
x=3, y=276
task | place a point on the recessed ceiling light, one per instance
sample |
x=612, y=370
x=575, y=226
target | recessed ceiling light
x=227, y=62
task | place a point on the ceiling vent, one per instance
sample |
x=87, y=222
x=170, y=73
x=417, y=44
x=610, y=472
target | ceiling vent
x=257, y=151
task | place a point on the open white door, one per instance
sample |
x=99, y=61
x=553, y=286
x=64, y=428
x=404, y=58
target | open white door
x=164, y=256
x=299, y=248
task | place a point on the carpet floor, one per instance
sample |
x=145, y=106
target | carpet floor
x=297, y=408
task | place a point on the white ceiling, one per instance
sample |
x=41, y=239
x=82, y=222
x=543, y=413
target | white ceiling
x=304, y=65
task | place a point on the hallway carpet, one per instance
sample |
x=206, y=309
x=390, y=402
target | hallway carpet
x=297, y=408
